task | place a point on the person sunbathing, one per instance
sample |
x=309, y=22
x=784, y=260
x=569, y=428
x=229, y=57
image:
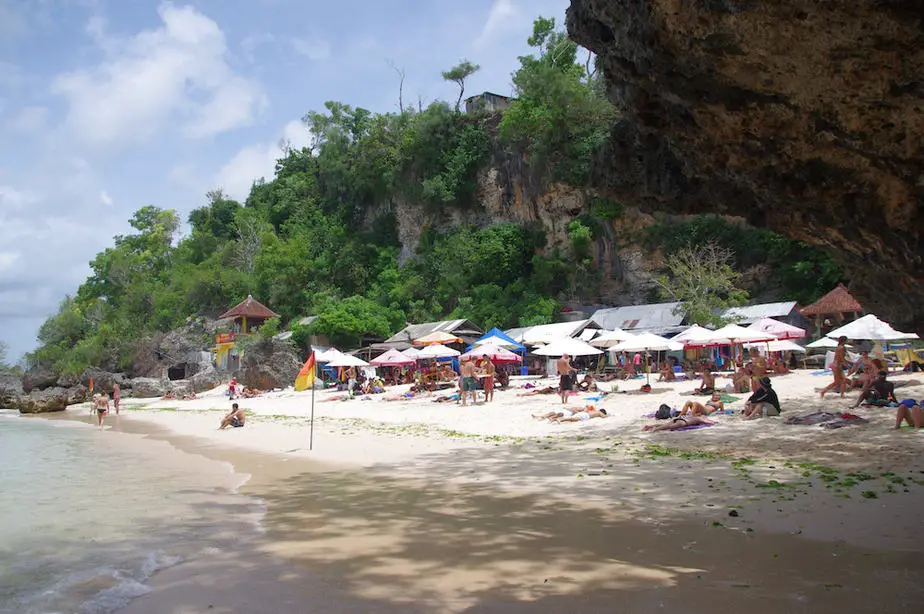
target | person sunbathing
x=532, y=393
x=249, y=393
x=680, y=422
x=189, y=397
x=581, y=416
x=235, y=419
x=169, y=396
x=909, y=411
x=565, y=412
x=711, y=406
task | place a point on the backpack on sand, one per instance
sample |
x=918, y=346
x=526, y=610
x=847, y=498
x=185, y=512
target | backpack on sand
x=663, y=413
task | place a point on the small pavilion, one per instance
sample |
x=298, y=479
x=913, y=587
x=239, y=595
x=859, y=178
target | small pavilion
x=246, y=317
x=833, y=309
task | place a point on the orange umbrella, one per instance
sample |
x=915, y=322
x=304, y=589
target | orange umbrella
x=438, y=337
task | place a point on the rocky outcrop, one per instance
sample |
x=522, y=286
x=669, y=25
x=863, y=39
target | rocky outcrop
x=43, y=401
x=269, y=364
x=39, y=377
x=801, y=116
x=153, y=356
x=103, y=381
x=10, y=389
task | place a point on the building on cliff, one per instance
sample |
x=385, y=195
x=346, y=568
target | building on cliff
x=487, y=102
x=243, y=319
x=788, y=312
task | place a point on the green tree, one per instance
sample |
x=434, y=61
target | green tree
x=346, y=322
x=702, y=279
x=4, y=355
x=458, y=74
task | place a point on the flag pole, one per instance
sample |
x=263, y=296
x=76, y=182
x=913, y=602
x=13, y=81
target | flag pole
x=311, y=429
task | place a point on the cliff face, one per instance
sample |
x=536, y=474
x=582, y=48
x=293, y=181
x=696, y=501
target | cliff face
x=802, y=116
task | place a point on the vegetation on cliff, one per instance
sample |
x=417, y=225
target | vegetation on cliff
x=322, y=236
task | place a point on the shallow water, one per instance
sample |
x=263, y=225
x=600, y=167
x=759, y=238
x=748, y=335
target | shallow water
x=89, y=516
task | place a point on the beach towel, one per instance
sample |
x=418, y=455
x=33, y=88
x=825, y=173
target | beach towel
x=693, y=427
x=810, y=419
x=598, y=397
x=727, y=398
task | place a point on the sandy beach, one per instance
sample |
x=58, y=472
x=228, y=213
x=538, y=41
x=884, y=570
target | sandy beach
x=433, y=507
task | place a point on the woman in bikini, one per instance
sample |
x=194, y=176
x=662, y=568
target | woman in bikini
x=101, y=405
x=695, y=408
x=680, y=422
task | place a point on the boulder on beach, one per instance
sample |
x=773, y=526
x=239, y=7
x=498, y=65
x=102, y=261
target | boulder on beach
x=39, y=377
x=148, y=387
x=270, y=364
x=10, y=388
x=206, y=379
x=43, y=401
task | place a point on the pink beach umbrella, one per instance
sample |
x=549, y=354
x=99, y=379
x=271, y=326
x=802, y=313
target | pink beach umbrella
x=495, y=353
x=392, y=358
x=780, y=330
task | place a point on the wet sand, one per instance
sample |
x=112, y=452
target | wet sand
x=553, y=527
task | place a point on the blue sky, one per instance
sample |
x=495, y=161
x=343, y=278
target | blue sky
x=110, y=105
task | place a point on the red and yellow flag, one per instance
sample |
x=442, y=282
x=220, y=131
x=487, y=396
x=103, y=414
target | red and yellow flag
x=90, y=386
x=305, y=378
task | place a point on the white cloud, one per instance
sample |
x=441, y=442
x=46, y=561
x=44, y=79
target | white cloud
x=178, y=72
x=311, y=48
x=11, y=198
x=259, y=160
x=105, y=199
x=29, y=120
x=503, y=14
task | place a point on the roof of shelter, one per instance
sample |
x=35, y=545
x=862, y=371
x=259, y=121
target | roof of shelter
x=657, y=318
x=557, y=330
x=752, y=313
x=839, y=300
x=251, y=308
x=461, y=328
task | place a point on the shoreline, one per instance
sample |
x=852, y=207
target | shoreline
x=506, y=508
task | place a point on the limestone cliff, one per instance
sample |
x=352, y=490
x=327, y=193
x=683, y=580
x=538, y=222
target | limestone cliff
x=806, y=117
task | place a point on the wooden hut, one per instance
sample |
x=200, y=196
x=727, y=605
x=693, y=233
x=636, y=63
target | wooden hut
x=832, y=310
x=245, y=317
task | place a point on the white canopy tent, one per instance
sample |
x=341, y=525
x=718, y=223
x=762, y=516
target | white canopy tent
x=411, y=352
x=693, y=336
x=781, y=345
x=869, y=327
x=730, y=334
x=346, y=360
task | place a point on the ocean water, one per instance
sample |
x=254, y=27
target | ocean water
x=89, y=516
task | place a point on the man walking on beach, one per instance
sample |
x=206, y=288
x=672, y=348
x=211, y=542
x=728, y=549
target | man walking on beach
x=101, y=405
x=116, y=397
x=837, y=367
x=565, y=380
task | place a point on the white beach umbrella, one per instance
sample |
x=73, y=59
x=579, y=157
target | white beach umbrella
x=437, y=351
x=347, y=360
x=411, y=352
x=328, y=355
x=871, y=328
x=569, y=346
x=609, y=338
x=392, y=358
x=782, y=345
x=645, y=342
x=781, y=330
x=693, y=336
x=824, y=342
x=495, y=353
x=731, y=334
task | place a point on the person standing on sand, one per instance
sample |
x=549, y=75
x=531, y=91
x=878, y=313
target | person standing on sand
x=350, y=376
x=116, y=397
x=467, y=370
x=837, y=367
x=565, y=380
x=101, y=405
x=487, y=368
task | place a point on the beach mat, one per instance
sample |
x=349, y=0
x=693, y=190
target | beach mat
x=727, y=398
x=694, y=427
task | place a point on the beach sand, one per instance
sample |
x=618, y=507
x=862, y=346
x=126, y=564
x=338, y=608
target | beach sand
x=416, y=506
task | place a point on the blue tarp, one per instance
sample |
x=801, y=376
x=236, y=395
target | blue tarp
x=496, y=332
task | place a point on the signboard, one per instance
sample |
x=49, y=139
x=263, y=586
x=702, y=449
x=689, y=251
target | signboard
x=225, y=338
